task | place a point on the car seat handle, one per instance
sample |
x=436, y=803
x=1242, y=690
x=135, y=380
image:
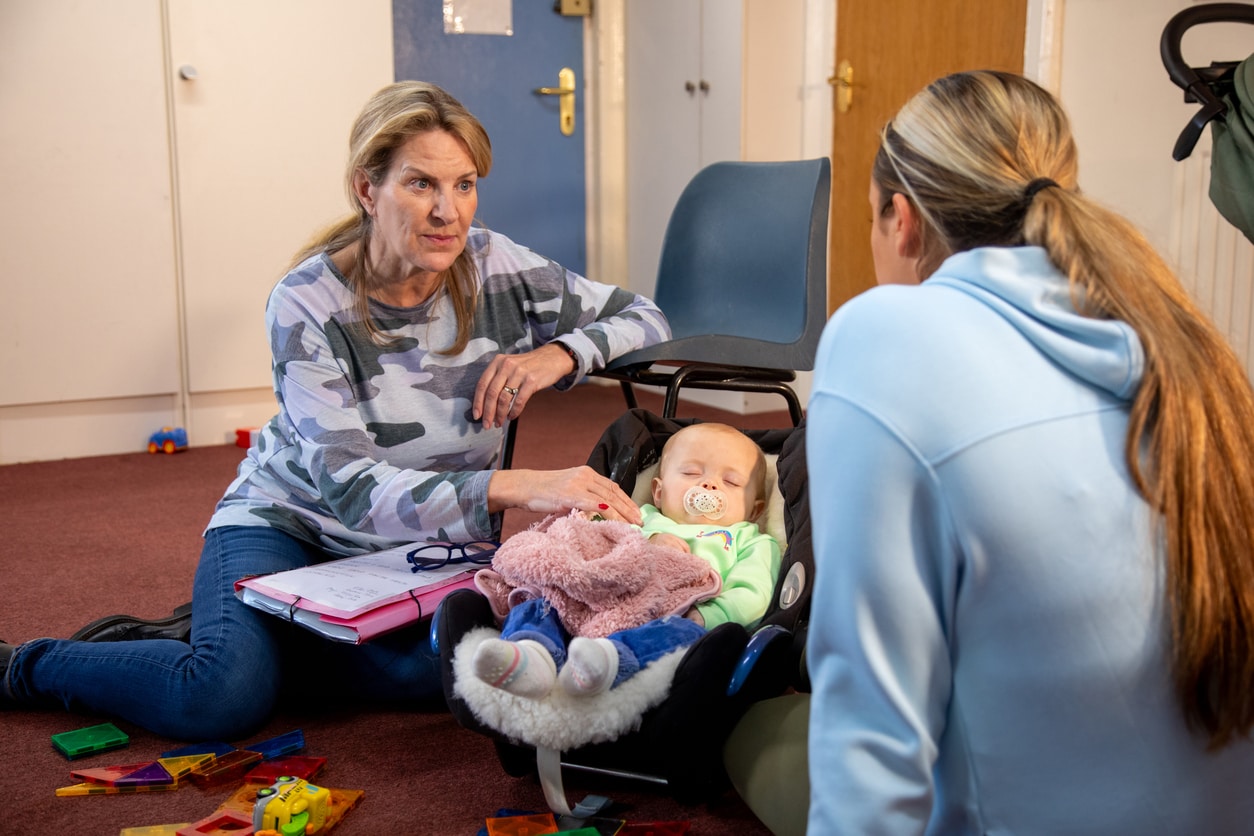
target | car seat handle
x=758, y=644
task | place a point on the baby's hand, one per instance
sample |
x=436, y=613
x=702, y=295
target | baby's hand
x=694, y=615
x=670, y=541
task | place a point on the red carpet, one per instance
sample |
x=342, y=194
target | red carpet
x=88, y=537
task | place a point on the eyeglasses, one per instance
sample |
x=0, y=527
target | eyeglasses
x=435, y=555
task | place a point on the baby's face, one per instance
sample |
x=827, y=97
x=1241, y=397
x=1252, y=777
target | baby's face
x=714, y=460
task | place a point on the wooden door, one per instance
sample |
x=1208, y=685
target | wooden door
x=895, y=48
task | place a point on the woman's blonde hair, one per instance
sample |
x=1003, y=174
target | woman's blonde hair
x=964, y=153
x=392, y=116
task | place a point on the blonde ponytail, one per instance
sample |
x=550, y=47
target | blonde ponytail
x=964, y=152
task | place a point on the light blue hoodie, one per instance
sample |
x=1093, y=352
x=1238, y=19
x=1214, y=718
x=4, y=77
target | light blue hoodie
x=987, y=645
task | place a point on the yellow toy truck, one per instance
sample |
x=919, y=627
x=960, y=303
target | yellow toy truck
x=291, y=807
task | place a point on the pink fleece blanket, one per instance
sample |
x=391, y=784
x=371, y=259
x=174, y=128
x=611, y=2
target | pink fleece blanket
x=601, y=576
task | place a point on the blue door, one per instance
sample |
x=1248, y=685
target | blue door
x=535, y=191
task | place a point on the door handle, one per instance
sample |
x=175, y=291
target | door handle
x=843, y=82
x=565, y=91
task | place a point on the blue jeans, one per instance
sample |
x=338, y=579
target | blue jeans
x=240, y=662
x=637, y=647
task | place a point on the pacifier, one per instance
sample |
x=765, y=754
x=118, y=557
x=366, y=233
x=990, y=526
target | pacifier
x=705, y=502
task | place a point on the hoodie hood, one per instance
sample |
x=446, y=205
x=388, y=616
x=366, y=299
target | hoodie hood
x=1024, y=286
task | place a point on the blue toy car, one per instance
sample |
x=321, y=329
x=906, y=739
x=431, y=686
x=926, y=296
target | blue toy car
x=168, y=440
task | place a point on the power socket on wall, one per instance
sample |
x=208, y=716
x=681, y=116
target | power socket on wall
x=573, y=8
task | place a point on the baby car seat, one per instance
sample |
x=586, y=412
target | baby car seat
x=668, y=723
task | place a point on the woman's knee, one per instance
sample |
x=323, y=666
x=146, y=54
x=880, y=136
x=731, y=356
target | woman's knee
x=226, y=703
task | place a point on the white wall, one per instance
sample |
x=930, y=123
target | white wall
x=1125, y=111
x=1127, y=115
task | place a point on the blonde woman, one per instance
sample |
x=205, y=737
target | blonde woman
x=1032, y=483
x=403, y=339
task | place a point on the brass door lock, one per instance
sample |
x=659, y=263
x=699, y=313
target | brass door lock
x=573, y=8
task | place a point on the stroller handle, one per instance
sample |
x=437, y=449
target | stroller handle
x=1196, y=89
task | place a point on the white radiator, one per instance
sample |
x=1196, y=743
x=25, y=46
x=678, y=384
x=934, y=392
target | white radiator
x=1215, y=261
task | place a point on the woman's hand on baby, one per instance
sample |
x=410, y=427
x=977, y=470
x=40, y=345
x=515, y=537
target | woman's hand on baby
x=553, y=491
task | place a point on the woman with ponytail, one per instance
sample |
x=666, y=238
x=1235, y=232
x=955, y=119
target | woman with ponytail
x=1032, y=482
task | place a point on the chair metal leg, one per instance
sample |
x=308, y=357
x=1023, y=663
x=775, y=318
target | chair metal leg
x=794, y=403
x=507, y=451
x=671, y=405
x=629, y=394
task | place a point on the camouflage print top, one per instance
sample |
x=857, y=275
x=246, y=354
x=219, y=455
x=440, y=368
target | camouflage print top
x=373, y=445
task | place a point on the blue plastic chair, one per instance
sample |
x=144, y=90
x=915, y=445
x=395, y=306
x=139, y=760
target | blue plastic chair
x=743, y=280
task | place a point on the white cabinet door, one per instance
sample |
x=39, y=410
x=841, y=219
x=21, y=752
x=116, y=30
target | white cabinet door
x=722, y=48
x=261, y=139
x=86, y=250
x=683, y=112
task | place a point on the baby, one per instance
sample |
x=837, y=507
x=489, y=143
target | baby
x=708, y=494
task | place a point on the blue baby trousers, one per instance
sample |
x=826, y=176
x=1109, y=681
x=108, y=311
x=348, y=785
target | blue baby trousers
x=240, y=662
x=537, y=620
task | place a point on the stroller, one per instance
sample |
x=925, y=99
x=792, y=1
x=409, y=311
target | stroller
x=1225, y=91
x=668, y=723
